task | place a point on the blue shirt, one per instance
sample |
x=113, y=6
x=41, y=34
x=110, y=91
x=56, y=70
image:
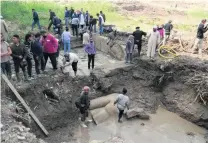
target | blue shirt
x=67, y=13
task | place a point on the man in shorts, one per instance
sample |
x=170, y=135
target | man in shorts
x=72, y=59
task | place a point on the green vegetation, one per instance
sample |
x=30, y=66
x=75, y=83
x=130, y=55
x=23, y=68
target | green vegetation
x=20, y=12
x=197, y=13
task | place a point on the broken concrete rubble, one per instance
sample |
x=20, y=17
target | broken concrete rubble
x=137, y=112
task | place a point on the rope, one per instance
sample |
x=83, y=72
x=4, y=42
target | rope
x=171, y=53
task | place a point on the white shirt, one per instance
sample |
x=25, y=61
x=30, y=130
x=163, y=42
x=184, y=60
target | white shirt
x=73, y=58
x=86, y=38
x=102, y=19
x=81, y=20
x=122, y=101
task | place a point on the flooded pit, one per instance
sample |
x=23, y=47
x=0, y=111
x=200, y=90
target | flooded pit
x=163, y=127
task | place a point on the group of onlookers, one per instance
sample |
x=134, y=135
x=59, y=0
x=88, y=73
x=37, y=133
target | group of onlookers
x=37, y=47
x=77, y=19
x=156, y=36
x=159, y=36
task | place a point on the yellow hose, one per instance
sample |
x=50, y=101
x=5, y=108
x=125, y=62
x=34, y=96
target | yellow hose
x=169, y=50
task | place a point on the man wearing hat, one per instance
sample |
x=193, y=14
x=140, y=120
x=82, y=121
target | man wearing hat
x=154, y=40
x=83, y=103
x=138, y=38
x=50, y=47
x=200, y=36
x=168, y=28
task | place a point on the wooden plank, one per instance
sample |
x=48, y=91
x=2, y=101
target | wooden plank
x=24, y=104
x=181, y=43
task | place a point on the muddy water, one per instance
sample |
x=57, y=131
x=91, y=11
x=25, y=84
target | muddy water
x=164, y=127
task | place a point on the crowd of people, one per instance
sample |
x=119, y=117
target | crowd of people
x=159, y=36
x=40, y=46
x=78, y=20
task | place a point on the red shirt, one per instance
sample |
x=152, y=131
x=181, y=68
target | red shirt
x=50, y=44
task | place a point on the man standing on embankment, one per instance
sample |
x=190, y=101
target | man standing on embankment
x=200, y=36
x=138, y=38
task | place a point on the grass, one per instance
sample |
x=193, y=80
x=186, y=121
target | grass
x=20, y=12
x=197, y=13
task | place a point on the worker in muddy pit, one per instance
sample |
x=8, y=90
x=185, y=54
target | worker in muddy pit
x=122, y=102
x=202, y=28
x=72, y=60
x=83, y=104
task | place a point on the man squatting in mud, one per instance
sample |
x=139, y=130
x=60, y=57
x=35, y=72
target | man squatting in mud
x=72, y=59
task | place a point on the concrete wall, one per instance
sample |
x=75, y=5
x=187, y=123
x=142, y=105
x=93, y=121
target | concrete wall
x=117, y=51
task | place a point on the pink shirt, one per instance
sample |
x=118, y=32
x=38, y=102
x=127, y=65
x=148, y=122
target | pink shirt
x=50, y=44
x=161, y=31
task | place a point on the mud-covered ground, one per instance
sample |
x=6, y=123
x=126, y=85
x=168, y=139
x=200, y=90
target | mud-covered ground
x=142, y=79
x=147, y=91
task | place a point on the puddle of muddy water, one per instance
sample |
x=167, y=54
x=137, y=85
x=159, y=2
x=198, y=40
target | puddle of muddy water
x=163, y=127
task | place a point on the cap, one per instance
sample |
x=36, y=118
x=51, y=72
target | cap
x=86, y=89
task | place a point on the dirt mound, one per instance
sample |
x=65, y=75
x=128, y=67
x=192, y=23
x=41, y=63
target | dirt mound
x=134, y=8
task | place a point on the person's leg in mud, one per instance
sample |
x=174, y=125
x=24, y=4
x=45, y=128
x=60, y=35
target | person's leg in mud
x=200, y=44
x=94, y=26
x=24, y=72
x=120, y=115
x=74, y=67
x=73, y=29
x=131, y=58
x=196, y=46
x=37, y=64
x=52, y=57
x=46, y=58
x=67, y=21
x=42, y=62
x=8, y=70
x=127, y=58
x=65, y=48
x=3, y=68
x=17, y=67
x=93, y=60
x=49, y=26
x=33, y=24
x=83, y=116
x=29, y=67
x=139, y=46
x=89, y=60
x=76, y=30
x=38, y=23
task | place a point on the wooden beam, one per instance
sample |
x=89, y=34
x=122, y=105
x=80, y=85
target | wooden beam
x=24, y=104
